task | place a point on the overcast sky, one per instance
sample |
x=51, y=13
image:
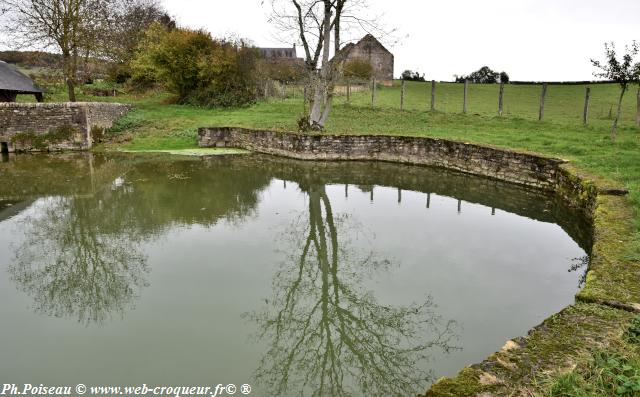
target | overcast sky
x=529, y=39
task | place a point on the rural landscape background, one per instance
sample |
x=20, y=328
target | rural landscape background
x=221, y=81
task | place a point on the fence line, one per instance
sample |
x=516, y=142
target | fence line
x=585, y=113
x=500, y=99
x=442, y=100
x=543, y=96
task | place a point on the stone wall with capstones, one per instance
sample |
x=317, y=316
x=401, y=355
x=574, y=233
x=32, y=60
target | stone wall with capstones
x=24, y=120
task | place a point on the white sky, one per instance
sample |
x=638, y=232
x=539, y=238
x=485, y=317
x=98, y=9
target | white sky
x=530, y=39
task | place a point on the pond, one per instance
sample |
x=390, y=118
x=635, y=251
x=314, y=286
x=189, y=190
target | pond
x=359, y=278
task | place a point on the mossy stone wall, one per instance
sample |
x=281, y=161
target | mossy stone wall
x=26, y=126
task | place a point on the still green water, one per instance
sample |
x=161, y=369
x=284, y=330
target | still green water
x=298, y=278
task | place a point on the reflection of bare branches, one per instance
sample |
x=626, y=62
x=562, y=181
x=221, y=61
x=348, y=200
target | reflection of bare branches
x=73, y=268
x=328, y=335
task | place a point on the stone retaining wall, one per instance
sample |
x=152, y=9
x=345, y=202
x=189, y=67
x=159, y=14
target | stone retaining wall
x=26, y=120
x=522, y=168
x=516, y=167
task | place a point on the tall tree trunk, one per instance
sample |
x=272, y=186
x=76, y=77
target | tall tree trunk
x=321, y=85
x=69, y=75
x=614, y=128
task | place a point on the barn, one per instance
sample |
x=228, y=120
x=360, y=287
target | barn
x=14, y=83
x=371, y=50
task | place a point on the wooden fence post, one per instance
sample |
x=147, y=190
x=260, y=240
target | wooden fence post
x=638, y=108
x=542, y=98
x=466, y=96
x=500, y=99
x=373, y=92
x=348, y=91
x=402, y=92
x=433, y=95
x=585, y=113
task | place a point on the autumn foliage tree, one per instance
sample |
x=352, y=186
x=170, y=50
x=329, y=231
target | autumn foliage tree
x=195, y=67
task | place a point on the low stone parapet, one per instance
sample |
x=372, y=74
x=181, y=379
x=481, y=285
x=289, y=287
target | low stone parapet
x=516, y=167
x=55, y=126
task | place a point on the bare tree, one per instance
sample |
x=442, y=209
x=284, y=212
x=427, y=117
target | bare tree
x=68, y=26
x=319, y=26
x=624, y=72
x=127, y=21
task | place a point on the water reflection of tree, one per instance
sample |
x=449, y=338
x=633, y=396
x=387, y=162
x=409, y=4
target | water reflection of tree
x=81, y=258
x=72, y=267
x=329, y=336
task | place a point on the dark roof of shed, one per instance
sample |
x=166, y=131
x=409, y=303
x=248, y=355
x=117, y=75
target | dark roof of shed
x=13, y=80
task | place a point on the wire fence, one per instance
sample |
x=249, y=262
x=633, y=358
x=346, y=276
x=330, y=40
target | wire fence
x=577, y=103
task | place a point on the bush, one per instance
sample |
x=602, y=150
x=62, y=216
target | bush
x=358, y=69
x=118, y=73
x=412, y=76
x=196, y=68
x=282, y=70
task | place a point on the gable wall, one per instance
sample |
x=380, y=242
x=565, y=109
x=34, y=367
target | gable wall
x=381, y=59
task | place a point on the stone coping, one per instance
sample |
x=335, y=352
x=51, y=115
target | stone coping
x=52, y=105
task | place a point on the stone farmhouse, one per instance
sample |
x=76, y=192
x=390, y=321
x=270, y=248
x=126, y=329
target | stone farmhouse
x=370, y=49
x=286, y=56
x=13, y=83
x=278, y=53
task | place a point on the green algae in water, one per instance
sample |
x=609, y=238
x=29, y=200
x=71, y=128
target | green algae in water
x=191, y=152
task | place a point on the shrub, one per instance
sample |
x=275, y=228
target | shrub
x=196, y=68
x=282, y=70
x=358, y=69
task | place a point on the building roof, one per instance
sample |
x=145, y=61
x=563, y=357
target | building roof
x=13, y=80
x=278, y=52
x=371, y=39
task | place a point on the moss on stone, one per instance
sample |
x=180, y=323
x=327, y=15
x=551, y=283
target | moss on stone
x=30, y=140
x=553, y=348
x=467, y=383
x=614, y=272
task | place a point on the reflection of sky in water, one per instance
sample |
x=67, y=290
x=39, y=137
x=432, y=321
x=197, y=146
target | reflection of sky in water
x=495, y=275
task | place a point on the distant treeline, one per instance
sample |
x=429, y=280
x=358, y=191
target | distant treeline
x=31, y=58
x=584, y=82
